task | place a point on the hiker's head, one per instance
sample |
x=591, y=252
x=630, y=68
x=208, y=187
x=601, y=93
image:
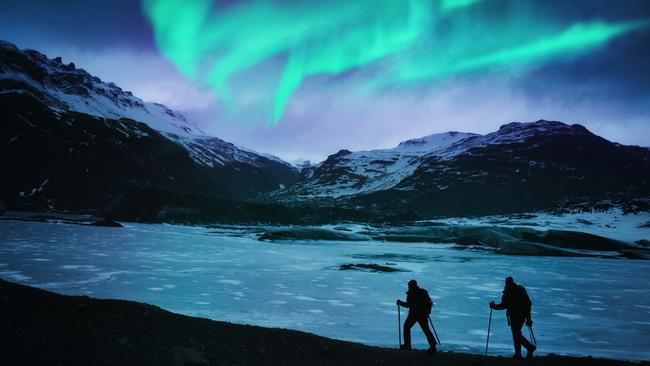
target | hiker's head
x=509, y=282
x=413, y=284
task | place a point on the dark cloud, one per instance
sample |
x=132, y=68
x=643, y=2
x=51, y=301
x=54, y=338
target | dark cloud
x=616, y=73
x=602, y=9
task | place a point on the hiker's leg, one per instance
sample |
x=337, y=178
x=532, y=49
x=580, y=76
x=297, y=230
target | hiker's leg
x=424, y=324
x=515, y=326
x=408, y=324
x=525, y=342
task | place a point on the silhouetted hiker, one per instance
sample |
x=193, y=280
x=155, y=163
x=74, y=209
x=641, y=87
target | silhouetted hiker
x=419, y=304
x=517, y=304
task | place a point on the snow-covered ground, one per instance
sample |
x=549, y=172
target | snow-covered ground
x=593, y=306
x=611, y=224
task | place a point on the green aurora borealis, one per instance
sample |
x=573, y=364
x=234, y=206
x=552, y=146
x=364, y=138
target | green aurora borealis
x=413, y=41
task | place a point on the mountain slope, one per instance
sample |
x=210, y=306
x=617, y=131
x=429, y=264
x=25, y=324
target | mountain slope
x=350, y=173
x=521, y=167
x=59, y=121
x=74, y=161
x=70, y=141
x=66, y=88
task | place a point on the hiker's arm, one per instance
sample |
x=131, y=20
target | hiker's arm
x=500, y=306
x=497, y=306
x=529, y=318
x=402, y=303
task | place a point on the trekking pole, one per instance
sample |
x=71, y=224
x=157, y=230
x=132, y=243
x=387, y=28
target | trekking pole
x=399, y=328
x=434, y=331
x=488, y=334
x=532, y=335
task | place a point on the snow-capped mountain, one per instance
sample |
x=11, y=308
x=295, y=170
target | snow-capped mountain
x=67, y=88
x=69, y=140
x=349, y=173
x=512, y=133
x=520, y=167
x=70, y=98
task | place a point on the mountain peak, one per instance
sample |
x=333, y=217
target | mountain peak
x=4, y=45
x=542, y=125
x=536, y=124
x=520, y=131
x=64, y=87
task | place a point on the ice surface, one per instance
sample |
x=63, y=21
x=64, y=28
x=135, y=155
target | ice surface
x=581, y=306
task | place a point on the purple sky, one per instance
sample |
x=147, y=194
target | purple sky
x=608, y=91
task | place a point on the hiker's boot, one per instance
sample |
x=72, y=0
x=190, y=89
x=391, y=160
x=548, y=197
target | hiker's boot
x=405, y=347
x=517, y=356
x=529, y=352
x=432, y=350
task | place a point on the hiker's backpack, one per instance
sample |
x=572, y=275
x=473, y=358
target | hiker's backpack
x=523, y=299
x=428, y=303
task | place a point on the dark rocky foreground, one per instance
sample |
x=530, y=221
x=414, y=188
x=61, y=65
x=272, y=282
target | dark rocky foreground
x=43, y=328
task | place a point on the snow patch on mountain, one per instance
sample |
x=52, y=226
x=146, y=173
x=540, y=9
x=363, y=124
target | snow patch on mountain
x=431, y=143
x=212, y=151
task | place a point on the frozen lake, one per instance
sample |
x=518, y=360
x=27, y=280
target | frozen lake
x=581, y=306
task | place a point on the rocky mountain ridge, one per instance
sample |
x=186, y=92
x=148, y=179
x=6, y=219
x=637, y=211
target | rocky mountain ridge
x=58, y=118
x=523, y=166
x=71, y=141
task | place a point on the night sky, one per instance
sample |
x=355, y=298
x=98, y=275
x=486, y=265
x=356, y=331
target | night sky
x=303, y=79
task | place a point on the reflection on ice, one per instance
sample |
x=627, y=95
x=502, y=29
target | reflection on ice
x=304, y=298
x=14, y=276
x=581, y=305
x=230, y=282
x=569, y=316
x=81, y=267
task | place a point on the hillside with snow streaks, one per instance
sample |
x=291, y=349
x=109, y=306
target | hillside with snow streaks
x=350, y=173
x=86, y=142
x=89, y=140
x=510, y=133
x=64, y=87
x=523, y=166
